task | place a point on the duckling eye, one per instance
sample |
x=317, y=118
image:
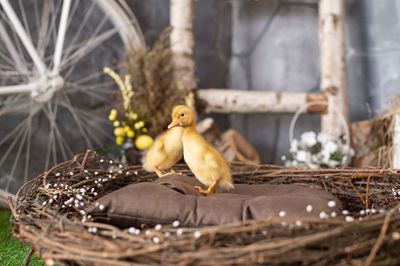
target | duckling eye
x=182, y=115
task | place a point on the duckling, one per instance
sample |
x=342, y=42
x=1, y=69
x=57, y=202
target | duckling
x=205, y=162
x=166, y=151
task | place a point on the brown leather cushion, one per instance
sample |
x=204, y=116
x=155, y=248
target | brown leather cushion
x=174, y=198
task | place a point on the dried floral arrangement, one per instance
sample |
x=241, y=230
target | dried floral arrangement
x=50, y=215
x=320, y=150
x=156, y=87
x=129, y=128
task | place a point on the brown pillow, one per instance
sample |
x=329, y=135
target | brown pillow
x=174, y=198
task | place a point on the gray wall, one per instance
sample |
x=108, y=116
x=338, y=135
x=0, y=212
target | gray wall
x=273, y=45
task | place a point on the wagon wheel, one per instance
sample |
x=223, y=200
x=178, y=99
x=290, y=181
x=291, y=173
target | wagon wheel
x=53, y=98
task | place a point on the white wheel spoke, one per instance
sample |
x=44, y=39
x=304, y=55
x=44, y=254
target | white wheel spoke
x=64, y=147
x=99, y=123
x=13, y=107
x=17, y=136
x=24, y=19
x=12, y=133
x=86, y=48
x=21, y=145
x=61, y=35
x=28, y=149
x=23, y=88
x=67, y=104
x=51, y=116
x=23, y=36
x=16, y=59
x=81, y=27
x=98, y=91
x=44, y=24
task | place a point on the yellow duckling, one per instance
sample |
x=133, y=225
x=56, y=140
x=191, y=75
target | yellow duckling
x=166, y=151
x=205, y=162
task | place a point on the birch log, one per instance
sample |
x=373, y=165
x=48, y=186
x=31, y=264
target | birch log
x=182, y=42
x=396, y=140
x=333, y=63
x=241, y=101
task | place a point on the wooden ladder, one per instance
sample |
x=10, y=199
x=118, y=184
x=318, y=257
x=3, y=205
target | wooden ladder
x=333, y=84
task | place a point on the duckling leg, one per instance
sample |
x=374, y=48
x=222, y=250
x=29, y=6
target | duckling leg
x=172, y=172
x=158, y=172
x=210, y=190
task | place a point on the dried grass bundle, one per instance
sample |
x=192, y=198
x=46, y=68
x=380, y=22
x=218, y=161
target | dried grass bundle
x=59, y=231
x=156, y=89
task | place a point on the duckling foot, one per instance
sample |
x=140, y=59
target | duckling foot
x=202, y=191
x=210, y=190
x=158, y=172
x=172, y=172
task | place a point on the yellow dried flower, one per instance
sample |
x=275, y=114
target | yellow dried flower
x=133, y=116
x=119, y=140
x=113, y=111
x=139, y=125
x=119, y=132
x=116, y=123
x=143, y=142
x=130, y=133
x=144, y=129
x=125, y=86
x=113, y=115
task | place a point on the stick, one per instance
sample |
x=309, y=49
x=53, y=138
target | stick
x=11, y=205
x=359, y=194
x=379, y=241
x=84, y=160
x=366, y=193
x=28, y=257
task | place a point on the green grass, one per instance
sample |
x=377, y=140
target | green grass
x=12, y=251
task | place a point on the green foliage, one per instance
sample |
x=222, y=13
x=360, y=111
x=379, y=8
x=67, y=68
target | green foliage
x=12, y=251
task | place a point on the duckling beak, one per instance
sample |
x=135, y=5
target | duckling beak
x=173, y=124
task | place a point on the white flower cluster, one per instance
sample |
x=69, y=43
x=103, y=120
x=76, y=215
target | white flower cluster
x=318, y=151
x=396, y=194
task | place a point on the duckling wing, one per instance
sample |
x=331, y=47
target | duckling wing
x=211, y=160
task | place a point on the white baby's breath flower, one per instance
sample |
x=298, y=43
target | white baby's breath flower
x=158, y=227
x=331, y=203
x=331, y=146
x=333, y=164
x=301, y=156
x=323, y=215
x=309, y=138
x=322, y=138
x=197, y=234
x=175, y=223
